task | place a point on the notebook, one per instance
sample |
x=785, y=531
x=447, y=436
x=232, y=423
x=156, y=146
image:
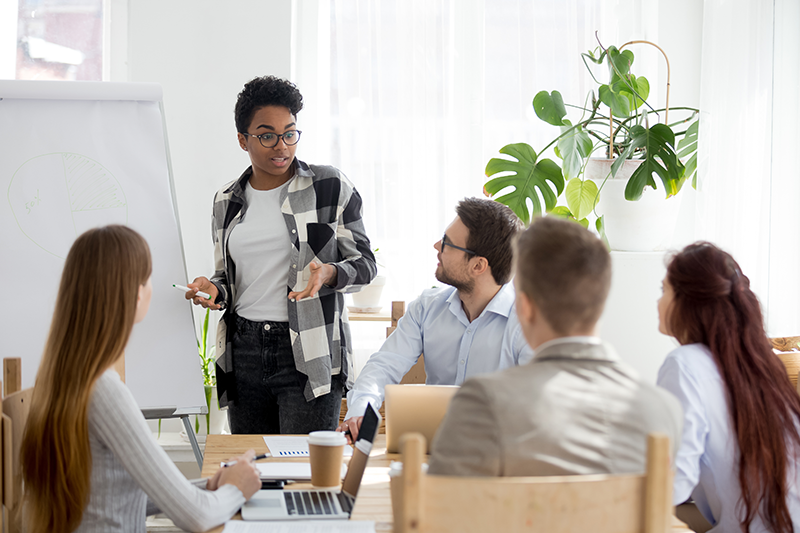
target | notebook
x=318, y=504
x=415, y=409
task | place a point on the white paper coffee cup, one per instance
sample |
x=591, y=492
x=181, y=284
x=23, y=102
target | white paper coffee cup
x=325, y=453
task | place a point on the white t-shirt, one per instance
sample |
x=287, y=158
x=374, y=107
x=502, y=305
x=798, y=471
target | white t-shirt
x=259, y=246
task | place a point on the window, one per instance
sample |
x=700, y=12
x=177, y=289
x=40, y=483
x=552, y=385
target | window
x=58, y=40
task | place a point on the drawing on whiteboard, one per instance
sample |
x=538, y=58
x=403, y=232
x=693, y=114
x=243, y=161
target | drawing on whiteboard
x=56, y=197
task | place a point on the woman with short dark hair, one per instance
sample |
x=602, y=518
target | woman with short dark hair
x=740, y=450
x=289, y=242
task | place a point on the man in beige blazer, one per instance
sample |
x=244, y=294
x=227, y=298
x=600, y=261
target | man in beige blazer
x=576, y=408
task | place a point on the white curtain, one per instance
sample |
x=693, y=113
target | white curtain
x=750, y=180
x=411, y=98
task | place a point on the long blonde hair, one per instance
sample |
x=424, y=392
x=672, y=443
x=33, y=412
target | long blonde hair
x=93, y=318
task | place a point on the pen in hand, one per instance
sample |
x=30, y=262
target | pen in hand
x=256, y=458
x=187, y=289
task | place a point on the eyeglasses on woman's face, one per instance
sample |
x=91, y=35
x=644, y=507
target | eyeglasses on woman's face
x=270, y=140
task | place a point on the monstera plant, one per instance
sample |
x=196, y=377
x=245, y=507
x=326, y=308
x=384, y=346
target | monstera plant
x=614, y=121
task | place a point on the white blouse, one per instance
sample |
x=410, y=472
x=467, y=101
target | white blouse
x=707, y=465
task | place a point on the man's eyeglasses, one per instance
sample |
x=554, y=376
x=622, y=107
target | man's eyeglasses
x=270, y=140
x=451, y=245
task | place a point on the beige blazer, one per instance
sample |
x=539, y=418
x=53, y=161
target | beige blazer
x=576, y=408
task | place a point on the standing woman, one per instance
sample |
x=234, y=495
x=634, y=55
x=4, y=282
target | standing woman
x=289, y=241
x=740, y=450
x=89, y=461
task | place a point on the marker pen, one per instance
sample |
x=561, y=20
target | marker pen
x=187, y=289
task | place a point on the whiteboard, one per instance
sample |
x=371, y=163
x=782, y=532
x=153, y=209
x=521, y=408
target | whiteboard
x=77, y=155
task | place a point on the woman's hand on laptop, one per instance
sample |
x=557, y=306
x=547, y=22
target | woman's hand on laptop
x=350, y=428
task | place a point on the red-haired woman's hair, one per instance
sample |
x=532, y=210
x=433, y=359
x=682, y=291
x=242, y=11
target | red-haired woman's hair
x=94, y=313
x=714, y=305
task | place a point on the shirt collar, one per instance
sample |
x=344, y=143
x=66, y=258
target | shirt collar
x=238, y=186
x=501, y=304
x=583, y=347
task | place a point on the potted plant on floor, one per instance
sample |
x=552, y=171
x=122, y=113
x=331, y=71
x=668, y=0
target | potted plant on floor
x=616, y=122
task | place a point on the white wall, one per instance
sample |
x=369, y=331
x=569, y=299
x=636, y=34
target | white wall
x=202, y=52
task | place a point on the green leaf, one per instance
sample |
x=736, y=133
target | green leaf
x=573, y=148
x=526, y=175
x=550, y=107
x=687, y=147
x=659, y=158
x=620, y=105
x=641, y=87
x=561, y=211
x=619, y=63
x=691, y=170
x=601, y=230
x=581, y=196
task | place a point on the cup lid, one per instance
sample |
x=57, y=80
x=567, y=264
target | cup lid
x=327, y=438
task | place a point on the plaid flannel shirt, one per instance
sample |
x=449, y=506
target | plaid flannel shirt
x=322, y=211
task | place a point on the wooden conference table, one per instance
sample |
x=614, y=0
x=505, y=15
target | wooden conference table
x=373, y=501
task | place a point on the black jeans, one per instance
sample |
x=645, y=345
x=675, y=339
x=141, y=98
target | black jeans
x=269, y=387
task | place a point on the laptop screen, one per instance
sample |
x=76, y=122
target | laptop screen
x=358, y=463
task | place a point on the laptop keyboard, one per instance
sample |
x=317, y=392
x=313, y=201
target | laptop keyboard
x=310, y=503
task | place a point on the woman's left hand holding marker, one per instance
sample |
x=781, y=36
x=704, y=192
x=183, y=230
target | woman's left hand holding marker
x=202, y=284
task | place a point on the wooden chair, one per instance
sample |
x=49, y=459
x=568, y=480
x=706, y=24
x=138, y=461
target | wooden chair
x=16, y=405
x=415, y=375
x=788, y=349
x=597, y=503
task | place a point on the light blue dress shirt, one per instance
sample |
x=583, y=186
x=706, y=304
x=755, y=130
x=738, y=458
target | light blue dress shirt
x=708, y=457
x=455, y=348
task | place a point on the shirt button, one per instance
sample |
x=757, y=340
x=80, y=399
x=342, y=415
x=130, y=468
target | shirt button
x=266, y=327
x=462, y=361
x=294, y=266
x=294, y=231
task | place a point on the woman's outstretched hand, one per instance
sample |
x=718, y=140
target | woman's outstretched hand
x=321, y=274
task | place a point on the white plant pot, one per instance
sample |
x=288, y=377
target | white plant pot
x=368, y=299
x=646, y=225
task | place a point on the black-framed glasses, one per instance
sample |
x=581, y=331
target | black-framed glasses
x=451, y=245
x=270, y=140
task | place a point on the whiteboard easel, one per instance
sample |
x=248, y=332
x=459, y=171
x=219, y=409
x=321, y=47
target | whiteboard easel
x=76, y=155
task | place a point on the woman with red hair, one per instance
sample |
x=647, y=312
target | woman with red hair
x=740, y=450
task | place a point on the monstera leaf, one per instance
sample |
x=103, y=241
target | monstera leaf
x=526, y=175
x=688, y=148
x=659, y=158
x=573, y=148
x=550, y=107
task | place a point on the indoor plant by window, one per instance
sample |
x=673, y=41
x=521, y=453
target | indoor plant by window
x=616, y=121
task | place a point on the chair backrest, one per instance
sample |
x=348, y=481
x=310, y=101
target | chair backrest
x=15, y=413
x=598, y=503
x=16, y=406
x=788, y=350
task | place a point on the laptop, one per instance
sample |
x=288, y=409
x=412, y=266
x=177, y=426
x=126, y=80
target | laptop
x=318, y=504
x=415, y=409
